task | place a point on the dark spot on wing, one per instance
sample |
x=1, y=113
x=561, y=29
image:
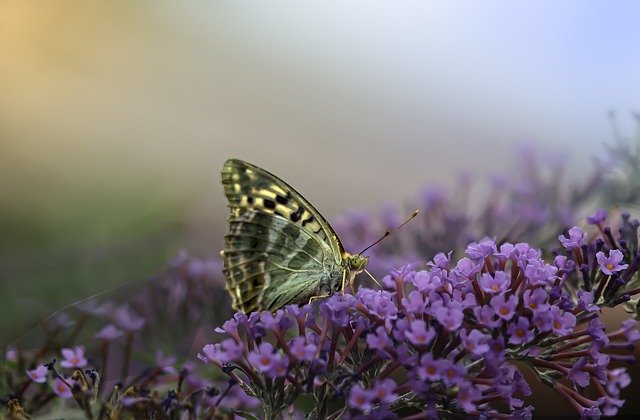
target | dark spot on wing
x=282, y=200
x=297, y=215
x=309, y=220
x=249, y=200
x=269, y=204
x=291, y=231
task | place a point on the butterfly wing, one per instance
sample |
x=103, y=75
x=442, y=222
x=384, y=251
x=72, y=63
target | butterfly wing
x=279, y=249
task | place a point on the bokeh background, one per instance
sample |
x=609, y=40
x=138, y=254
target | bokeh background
x=116, y=117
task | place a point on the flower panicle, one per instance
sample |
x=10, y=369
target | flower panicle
x=445, y=338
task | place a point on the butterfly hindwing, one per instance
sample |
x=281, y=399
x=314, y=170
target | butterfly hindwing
x=279, y=249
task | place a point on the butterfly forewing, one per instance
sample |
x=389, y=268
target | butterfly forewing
x=279, y=249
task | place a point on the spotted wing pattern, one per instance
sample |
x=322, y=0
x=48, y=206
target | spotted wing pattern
x=279, y=249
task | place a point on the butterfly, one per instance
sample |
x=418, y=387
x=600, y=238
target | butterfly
x=279, y=249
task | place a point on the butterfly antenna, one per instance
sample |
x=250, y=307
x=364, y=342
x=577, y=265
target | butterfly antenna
x=389, y=232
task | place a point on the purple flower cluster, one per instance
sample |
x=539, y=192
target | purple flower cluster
x=119, y=340
x=528, y=204
x=451, y=338
x=605, y=265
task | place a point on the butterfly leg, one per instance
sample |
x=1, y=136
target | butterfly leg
x=312, y=298
x=344, y=284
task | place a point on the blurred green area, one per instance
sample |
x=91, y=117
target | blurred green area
x=82, y=242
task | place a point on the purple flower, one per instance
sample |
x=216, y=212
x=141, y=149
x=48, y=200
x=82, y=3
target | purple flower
x=73, y=357
x=496, y=284
x=226, y=352
x=539, y=274
x=618, y=379
x=425, y=281
x=209, y=352
x=230, y=326
x=482, y=249
x=441, y=260
x=379, y=340
x=268, y=361
x=166, y=363
x=596, y=331
x=302, y=350
x=520, y=331
x=418, y=333
x=466, y=299
x=509, y=381
x=598, y=217
x=611, y=264
x=405, y=356
x=577, y=375
x=475, y=341
x=506, y=251
x=564, y=263
x=631, y=334
x=361, y=399
x=109, y=332
x=575, y=239
x=563, y=323
x=449, y=316
x=496, y=349
x=403, y=275
x=11, y=354
x=61, y=389
x=430, y=368
x=38, y=374
x=415, y=303
x=486, y=316
x=452, y=373
x=611, y=406
x=336, y=310
x=397, y=327
x=63, y=320
x=466, y=269
x=125, y=319
x=535, y=299
x=467, y=394
x=378, y=302
x=543, y=321
x=585, y=301
x=525, y=252
x=384, y=390
x=300, y=313
x=505, y=309
x=277, y=322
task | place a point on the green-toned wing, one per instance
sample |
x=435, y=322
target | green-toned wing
x=279, y=249
x=269, y=263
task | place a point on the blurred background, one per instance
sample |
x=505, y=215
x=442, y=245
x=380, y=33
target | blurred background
x=116, y=117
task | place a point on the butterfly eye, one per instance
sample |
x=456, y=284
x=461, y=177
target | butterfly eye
x=358, y=262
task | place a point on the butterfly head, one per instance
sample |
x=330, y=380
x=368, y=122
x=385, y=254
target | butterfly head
x=357, y=263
